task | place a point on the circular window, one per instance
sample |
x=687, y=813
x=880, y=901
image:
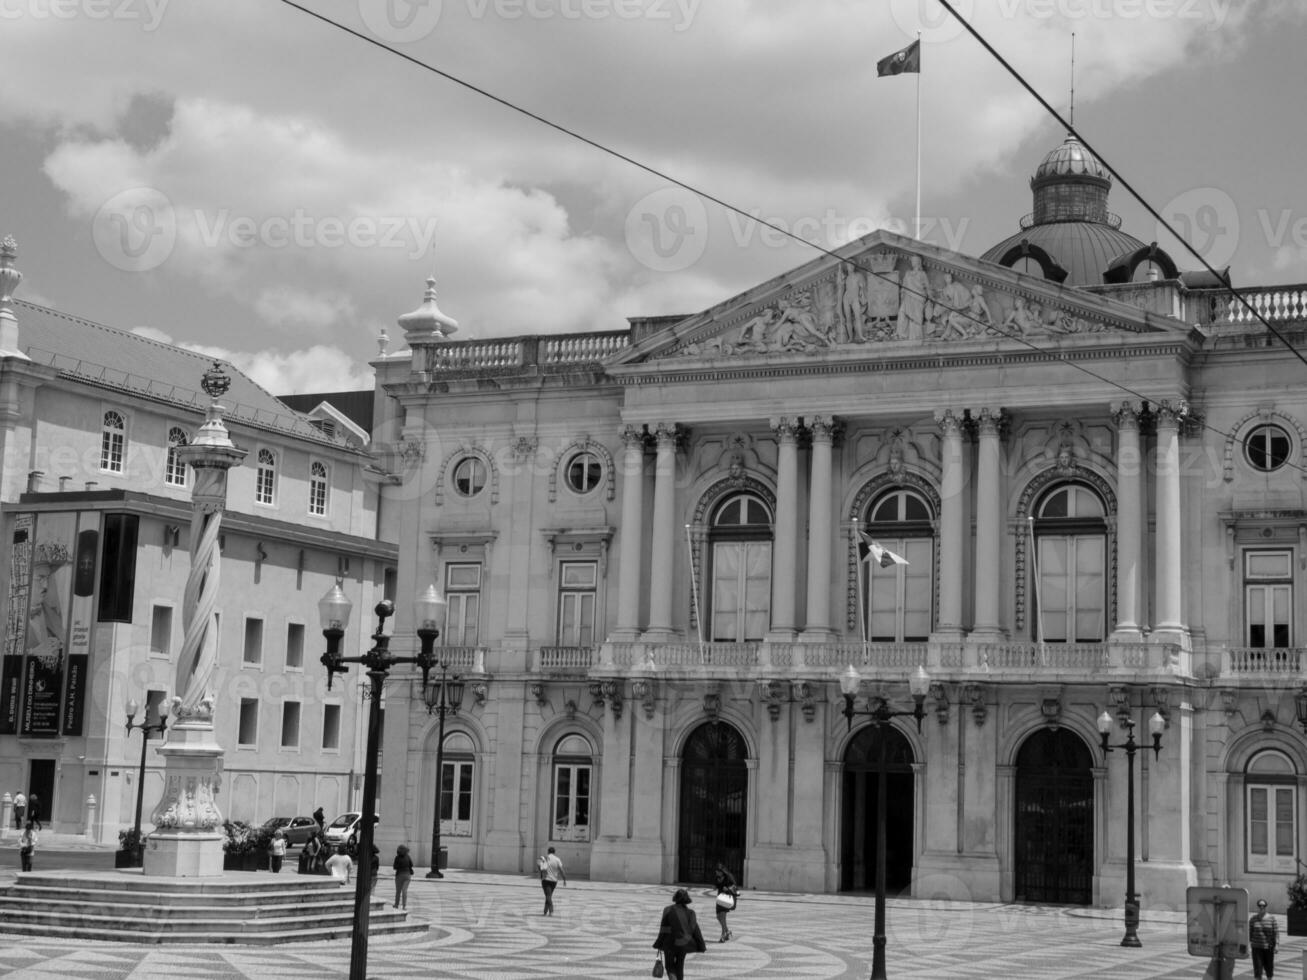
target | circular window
x=469, y=476
x=1267, y=448
x=584, y=471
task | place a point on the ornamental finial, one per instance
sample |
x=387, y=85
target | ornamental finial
x=215, y=382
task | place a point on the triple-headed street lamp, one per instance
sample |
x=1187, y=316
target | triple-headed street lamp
x=1155, y=726
x=441, y=695
x=145, y=729
x=333, y=611
x=880, y=714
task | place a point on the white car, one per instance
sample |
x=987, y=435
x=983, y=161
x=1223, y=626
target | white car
x=345, y=830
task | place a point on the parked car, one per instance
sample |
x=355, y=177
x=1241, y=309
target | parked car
x=345, y=830
x=296, y=830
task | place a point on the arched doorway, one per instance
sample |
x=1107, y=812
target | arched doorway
x=1053, y=855
x=714, y=808
x=872, y=749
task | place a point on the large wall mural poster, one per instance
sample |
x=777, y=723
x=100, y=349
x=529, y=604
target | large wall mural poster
x=46, y=642
x=81, y=621
x=11, y=668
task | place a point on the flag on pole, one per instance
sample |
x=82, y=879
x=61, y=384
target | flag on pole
x=901, y=62
x=881, y=556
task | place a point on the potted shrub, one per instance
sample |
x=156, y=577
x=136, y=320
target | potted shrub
x=238, y=846
x=131, y=849
x=1297, y=913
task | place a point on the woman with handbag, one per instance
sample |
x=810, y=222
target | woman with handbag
x=727, y=894
x=678, y=935
x=27, y=845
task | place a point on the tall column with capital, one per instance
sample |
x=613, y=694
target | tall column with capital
x=1169, y=618
x=1129, y=534
x=951, y=526
x=786, y=548
x=187, y=840
x=989, y=520
x=664, y=533
x=632, y=543
x=817, y=624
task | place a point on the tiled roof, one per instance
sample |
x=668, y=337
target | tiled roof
x=1084, y=248
x=121, y=361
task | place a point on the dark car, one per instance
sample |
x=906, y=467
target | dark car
x=296, y=829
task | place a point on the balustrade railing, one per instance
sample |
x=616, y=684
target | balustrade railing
x=887, y=655
x=567, y=658
x=1272, y=302
x=1266, y=660
x=1070, y=656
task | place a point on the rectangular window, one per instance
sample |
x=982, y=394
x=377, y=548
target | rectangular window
x=247, y=732
x=295, y=646
x=741, y=590
x=571, y=802
x=318, y=489
x=577, y=581
x=265, y=477
x=331, y=726
x=253, y=640
x=1268, y=598
x=161, y=630
x=113, y=442
x=900, y=597
x=456, y=798
x=1071, y=593
x=290, y=725
x=118, y=568
x=1270, y=828
x=463, y=593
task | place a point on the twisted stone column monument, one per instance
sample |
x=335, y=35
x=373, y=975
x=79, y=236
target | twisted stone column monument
x=187, y=840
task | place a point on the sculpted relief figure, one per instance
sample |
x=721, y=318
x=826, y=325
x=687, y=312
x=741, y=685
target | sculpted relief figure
x=949, y=309
x=796, y=329
x=980, y=319
x=912, y=304
x=1022, y=318
x=851, y=327
x=882, y=304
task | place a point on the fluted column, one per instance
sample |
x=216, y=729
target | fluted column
x=664, y=533
x=785, y=549
x=1168, y=615
x=1129, y=539
x=820, y=533
x=989, y=520
x=632, y=543
x=951, y=526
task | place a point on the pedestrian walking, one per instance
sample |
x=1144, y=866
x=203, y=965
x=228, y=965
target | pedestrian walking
x=321, y=818
x=309, y=855
x=27, y=846
x=1263, y=936
x=339, y=865
x=20, y=811
x=376, y=866
x=551, y=873
x=276, y=851
x=403, y=875
x=727, y=896
x=34, y=811
x=678, y=934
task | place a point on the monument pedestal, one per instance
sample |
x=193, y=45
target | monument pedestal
x=188, y=835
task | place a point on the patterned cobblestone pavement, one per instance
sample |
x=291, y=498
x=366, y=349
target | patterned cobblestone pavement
x=489, y=927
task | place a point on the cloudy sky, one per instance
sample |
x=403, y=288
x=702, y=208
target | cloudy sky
x=239, y=176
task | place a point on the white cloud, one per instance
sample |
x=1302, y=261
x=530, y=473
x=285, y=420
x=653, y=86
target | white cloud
x=287, y=306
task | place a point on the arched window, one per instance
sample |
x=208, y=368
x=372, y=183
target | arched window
x=1267, y=448
x=469, y=476
x=113, y=442
x=456, y=786
x=584, y=472
x=740, y=598
x=174, y=470
x=571, y=803
x=1270, y=812
x=898, y=600
x=265, y=480
x=1070, y=568
x=318, y=489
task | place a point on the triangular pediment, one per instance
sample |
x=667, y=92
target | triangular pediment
x=885, y=294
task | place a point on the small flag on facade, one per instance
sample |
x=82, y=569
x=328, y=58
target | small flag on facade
x=907, y=60
x=881, y=556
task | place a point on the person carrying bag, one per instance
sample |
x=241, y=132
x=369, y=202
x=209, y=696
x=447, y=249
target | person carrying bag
x=678, y=936
x=727, y=894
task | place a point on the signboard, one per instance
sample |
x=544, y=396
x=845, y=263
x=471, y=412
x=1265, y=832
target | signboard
x=80, y=621
x=1217, y=917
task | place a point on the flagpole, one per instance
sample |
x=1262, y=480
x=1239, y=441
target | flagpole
x=694, y=592
x=918, y=221
x=1034, y=590
x=862, y=595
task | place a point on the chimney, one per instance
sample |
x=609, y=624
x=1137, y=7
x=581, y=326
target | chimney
x=34, y=481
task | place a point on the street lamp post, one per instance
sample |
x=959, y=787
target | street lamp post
x=1155, y=726
x=441, y=696
x=145, y=729
x=880, y=714
x=333, y=610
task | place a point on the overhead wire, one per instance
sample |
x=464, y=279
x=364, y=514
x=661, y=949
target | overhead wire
x=856, y=262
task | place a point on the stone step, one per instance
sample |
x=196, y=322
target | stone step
x=306, y=933
x=180, y=900
x=71, y=903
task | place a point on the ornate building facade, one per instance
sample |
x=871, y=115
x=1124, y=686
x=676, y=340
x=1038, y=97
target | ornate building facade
x=656, y=545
